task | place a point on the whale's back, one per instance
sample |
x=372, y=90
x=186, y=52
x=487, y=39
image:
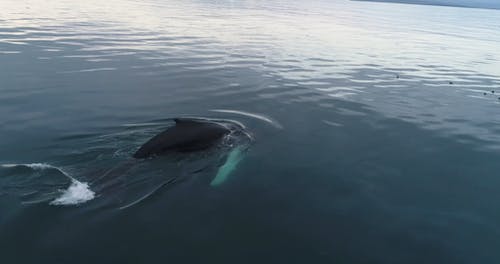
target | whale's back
x=187, y=135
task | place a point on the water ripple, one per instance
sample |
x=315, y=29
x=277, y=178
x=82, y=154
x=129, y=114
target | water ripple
x=290, y=53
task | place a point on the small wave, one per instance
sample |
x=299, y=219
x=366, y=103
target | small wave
x=147, y=195
x=257, y=116
x=35, y=166
x=78, y=192
x=90, y=70
x=9, y=52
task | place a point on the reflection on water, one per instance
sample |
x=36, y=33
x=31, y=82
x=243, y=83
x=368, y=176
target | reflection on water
x=399, y=60
x=376, y=128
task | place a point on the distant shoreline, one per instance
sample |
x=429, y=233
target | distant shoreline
x=410, y=2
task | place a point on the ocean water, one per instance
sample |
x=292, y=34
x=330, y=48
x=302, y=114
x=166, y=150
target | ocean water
x=372, y=132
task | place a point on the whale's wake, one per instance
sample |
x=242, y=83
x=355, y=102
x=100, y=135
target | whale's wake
x=41, y=182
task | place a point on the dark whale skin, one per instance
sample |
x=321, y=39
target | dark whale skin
x=188, y=135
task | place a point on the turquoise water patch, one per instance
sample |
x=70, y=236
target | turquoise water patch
x=232, y=161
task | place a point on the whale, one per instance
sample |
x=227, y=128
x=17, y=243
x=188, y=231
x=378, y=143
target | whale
x=188, y=135
x=194, y=135
x=199, y=150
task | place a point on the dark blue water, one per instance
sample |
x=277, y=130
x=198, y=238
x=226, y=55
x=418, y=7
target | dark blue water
x=375, y=132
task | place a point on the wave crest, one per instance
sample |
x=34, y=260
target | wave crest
x=76, y=193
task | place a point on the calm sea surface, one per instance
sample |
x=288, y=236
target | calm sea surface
x=376, y=132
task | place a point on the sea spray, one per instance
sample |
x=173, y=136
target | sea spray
x=76, y=193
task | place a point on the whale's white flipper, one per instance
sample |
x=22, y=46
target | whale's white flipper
x=234, y=157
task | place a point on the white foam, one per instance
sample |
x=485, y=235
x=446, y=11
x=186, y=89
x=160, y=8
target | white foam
x=77, y=192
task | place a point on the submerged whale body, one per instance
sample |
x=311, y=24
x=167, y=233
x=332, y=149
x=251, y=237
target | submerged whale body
x=186, y=136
